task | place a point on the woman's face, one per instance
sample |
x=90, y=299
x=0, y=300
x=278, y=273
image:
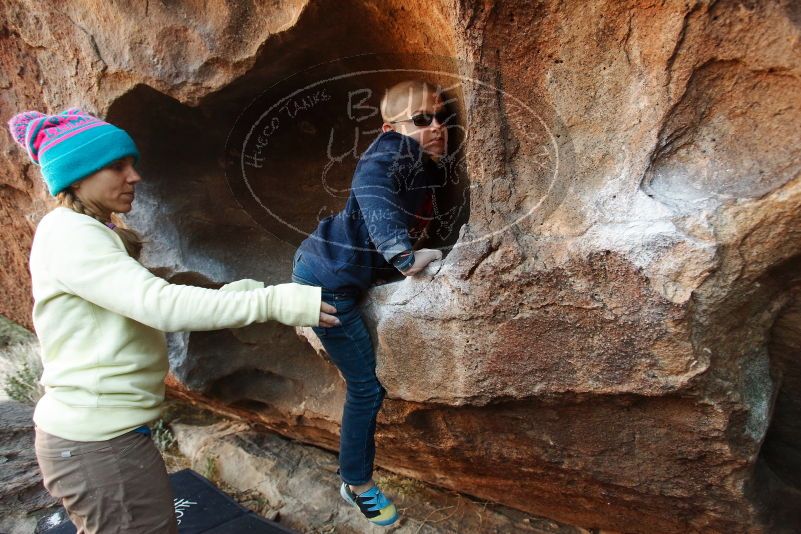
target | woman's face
x=111, y=189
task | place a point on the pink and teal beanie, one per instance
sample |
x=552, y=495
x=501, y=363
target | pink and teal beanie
x=71, y=145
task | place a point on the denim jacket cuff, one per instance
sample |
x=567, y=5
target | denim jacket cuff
x=402, y=262
x=394, y=246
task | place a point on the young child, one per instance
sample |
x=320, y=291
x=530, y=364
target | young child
x=389, y=203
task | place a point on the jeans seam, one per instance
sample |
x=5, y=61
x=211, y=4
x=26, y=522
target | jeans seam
x=375, y=416
x=135, y=442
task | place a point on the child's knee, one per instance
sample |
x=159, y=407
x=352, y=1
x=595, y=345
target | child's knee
x=367, y=390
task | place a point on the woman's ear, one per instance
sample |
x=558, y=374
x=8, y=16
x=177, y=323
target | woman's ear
x=386, y=127
x=76, y=185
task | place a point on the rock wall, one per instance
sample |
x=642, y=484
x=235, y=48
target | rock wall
x=611, y=339
x=22, y=491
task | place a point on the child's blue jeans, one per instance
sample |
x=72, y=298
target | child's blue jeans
x=351, y=349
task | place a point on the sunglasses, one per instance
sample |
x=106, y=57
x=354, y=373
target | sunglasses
x=425, y=119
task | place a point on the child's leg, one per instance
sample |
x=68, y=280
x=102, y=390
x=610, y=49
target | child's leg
x=351, y=349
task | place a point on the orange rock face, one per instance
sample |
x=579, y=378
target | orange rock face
x=612, y=338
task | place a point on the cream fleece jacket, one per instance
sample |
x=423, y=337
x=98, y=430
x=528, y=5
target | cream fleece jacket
x=100, y=317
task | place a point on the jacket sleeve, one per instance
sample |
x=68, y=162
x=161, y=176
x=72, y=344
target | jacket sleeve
x=90, y=262
x=245, y=284
x=376, y=186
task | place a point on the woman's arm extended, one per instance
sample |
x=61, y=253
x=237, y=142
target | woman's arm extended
x=90, y=262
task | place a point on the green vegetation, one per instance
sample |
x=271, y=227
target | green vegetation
x=398, y=485
x=20, y=363
x=11, y=333
x=211, y=470
x=162, y=436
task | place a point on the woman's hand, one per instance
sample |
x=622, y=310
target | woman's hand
x=422, y=257
x=326, y=319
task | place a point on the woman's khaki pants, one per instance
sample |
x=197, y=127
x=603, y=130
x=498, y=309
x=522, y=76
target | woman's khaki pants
x=114, y=486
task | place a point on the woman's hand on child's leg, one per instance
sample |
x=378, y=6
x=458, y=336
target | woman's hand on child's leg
x=326, y=319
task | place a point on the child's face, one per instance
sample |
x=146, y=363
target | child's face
x=434, y=137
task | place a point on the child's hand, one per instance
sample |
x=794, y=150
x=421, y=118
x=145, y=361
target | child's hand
x=327, y=320
x=422, y=257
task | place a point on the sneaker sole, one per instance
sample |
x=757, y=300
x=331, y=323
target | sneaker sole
x=345, y=496
x=386, y=522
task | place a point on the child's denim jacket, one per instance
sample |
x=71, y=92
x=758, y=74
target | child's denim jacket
x=391, y=194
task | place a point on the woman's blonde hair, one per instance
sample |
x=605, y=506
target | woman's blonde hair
x=133, y=243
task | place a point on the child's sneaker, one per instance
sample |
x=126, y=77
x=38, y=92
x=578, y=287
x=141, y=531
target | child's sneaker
x=372, y=503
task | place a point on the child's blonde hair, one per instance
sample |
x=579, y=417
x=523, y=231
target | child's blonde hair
x=401, y=97
x=133, y=243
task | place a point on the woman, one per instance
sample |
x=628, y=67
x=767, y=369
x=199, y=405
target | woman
x=100, y=317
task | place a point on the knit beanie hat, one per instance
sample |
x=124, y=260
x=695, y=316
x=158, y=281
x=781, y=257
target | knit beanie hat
x=71, y=145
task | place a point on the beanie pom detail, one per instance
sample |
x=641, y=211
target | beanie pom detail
x=18, y=125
